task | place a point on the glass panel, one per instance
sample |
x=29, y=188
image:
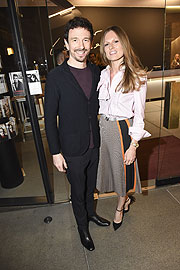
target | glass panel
x=37, y=45
x=158, y=155
x=168, y=168
x=27, y=164
x=148, y=153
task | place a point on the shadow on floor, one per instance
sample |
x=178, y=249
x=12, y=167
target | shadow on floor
x=148, y=239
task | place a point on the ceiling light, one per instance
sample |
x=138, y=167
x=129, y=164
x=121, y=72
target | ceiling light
x=63, y=12
x=51, y=50
x=98, y=31
x=96, y=46
x=10, y=51
x=174, y=7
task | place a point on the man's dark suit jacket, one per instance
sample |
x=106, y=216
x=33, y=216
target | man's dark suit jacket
x=64, y=97
x=20, y=86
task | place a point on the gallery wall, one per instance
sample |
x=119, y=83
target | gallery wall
x=144, y=26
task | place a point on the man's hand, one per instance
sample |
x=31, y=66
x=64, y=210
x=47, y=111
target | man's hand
x=59, y=162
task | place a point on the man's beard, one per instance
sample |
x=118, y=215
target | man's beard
x=81, y=59
x=78, y=58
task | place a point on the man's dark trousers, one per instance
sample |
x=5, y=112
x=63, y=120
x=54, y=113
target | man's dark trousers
x=82, y=173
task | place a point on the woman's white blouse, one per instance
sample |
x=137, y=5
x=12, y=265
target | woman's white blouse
x=123, y=105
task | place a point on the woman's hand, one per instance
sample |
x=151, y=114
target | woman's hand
x=130, y=155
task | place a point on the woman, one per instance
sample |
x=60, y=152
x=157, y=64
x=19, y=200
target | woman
x=122, y=95
x=33, y=78
x=176, y=61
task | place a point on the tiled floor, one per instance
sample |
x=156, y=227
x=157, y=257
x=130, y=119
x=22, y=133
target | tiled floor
x=148, y=239
x=154, y=113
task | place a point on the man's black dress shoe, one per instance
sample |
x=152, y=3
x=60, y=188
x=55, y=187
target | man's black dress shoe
x=99, y=220
x=86, y=239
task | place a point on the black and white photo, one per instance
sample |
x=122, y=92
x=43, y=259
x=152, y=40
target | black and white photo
x=11, y=128
x=34, y=82
x=3, y=86
x=17, y=85
x=3, y=133
x=6, y=107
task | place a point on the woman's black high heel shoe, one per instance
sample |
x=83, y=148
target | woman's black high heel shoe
x=131, y=200
x=128, y=200
x=118, y=225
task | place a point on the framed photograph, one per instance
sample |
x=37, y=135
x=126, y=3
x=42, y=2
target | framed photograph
x=3, y=86
x=3, y=133
x=1, y=109
x=6, y=107
x=17, y=85
x=0, y=62
x=11, y=128
x=34, y=82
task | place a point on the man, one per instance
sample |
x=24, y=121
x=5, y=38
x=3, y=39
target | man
x=61, y=56
x=17, y=85
x=92, y=58
x=71, y=94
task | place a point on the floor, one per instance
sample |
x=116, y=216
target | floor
x=148, y=239
x=154, y=120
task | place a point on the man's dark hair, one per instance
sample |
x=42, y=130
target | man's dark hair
x=78, y=22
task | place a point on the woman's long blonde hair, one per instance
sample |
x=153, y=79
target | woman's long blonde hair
x=134, y=71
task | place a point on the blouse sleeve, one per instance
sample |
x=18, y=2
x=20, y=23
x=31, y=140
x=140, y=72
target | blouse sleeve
x=137, y=130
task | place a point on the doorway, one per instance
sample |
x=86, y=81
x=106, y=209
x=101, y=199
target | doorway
x=25, y=57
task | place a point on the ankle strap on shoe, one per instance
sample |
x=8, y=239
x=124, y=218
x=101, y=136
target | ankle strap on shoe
x=119, y=210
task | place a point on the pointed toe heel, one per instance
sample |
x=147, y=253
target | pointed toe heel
x=118, y=225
